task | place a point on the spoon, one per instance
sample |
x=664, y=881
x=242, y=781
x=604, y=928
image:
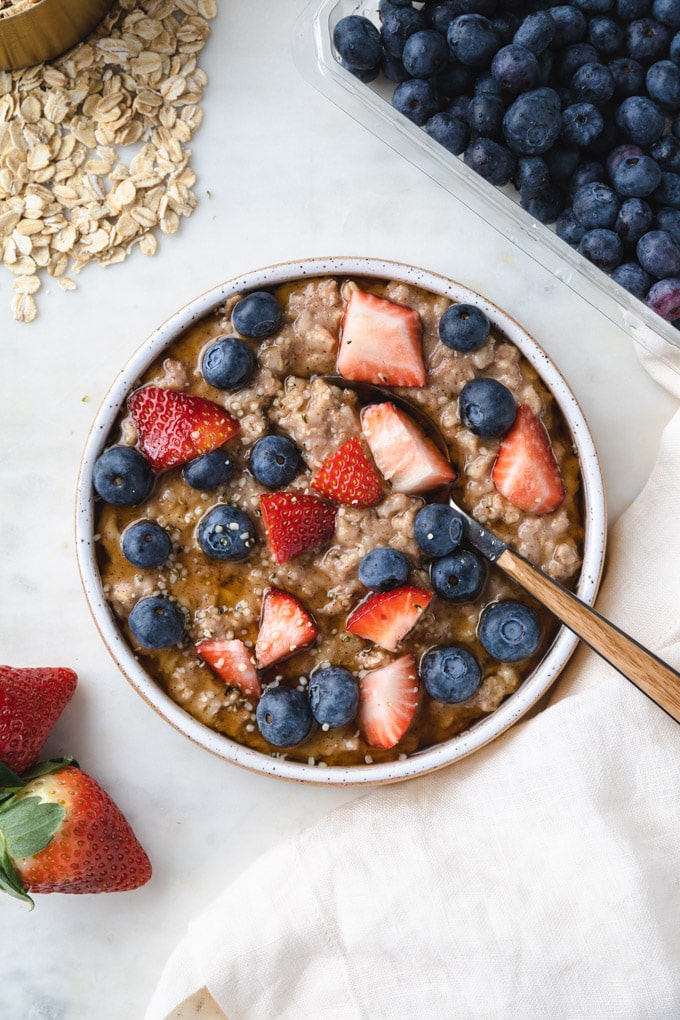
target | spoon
x=650, y=674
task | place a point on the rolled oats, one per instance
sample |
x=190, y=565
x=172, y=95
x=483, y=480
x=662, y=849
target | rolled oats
x=69, y=195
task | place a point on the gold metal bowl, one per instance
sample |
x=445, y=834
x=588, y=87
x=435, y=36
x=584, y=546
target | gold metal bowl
x=46, y=29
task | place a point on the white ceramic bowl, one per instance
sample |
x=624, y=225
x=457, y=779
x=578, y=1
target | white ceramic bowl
x=533, y=687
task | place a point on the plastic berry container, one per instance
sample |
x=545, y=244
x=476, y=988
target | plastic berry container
x=370, y=104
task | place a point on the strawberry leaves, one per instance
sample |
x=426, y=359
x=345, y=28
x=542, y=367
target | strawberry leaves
x=27, y=824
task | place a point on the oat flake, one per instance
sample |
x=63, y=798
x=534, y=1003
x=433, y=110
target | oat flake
x=68, y=195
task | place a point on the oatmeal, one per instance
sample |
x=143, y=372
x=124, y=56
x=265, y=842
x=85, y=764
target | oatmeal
x=301, y=558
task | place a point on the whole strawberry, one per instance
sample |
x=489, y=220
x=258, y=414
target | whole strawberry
x=61, y=832
x=31, y=701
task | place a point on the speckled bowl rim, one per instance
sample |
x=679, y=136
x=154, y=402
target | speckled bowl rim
x=485, y=730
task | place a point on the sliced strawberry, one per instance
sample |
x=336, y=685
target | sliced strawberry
x=295, y=522
x=388, y=699
x=233, y=663
x=285, y=628
x=31, y=701
x=176, y=427
x=381, y=342
x=526, y=471
x=387, y=617
x=402, y=451
x=348, y=476
x=63, y=833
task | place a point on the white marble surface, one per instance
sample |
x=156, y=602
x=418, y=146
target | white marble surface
x=282, y=174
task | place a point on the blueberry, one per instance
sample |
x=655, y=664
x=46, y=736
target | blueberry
x=438, y=529
x=663, y=84
x=594, y=6
x=365, y=75
x=506, y=24
x=333, y=696
x=633, y=278
x=357, y=40
x=545, y=207
x=569, y=228
x=393, y=69
x=658, y=254
x=596, y=205
x=592, y=83
x=450, y=674
x=449, y=130
x=667, y=12
x=666, y=151
x=208, y=471
x=668, y=192
x=536, y=32
x=122, y=476
x=640, y=119
x=664, y=299
x=545, y=68
x=636, y=176
x=532, y=175
x=486, y=84
x=515, y=68
x=228, y=364
x=425, y=53
x=628, y=76
x=533, y=122
x=492, y=161
x=634, y=219
x=674, y=48
x=570, y=25
x=397, y=26
x=509, y=631
x=664, y=219
x=156, y=622
x=275, y=461
x=484, y=115
x=440, y=15
x=646, y=40
x=486, y=407
x=145, y=544
x=458, y=106
x=464, y=327
x=473, y=40
x=383, y=568
x=571, y=58
x=602, y=247
x=283, y=716
x=417, y=99
x=629, y=10
x=585, y=173
x=621, y=152
x=257, y=315
x=226, y=533
x=582, y=123
x=606, y=35
x=459, y=577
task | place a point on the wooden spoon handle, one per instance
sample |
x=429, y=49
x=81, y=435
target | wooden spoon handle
x=650, y=674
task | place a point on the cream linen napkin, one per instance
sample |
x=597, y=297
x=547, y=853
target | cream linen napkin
x=539, y=878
